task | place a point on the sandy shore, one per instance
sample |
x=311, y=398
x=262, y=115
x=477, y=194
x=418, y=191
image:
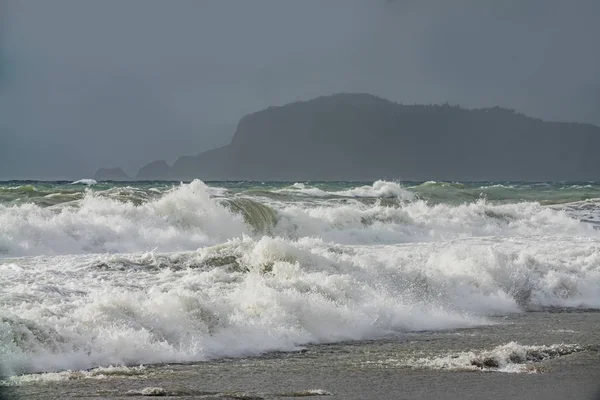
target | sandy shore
x=371, y=369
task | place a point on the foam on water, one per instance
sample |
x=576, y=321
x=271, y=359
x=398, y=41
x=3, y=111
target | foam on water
x=303, y=189
x=95, y=373
x=184, y=218
x=511, y=357
x=379, y=189
x=88, y=182
x=248, y=296
x=126, y=219
x=417, y=221
x=129, y=277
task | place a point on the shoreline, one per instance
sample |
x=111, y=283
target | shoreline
x=372, y=369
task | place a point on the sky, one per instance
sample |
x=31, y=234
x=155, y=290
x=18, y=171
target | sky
x=87, y=84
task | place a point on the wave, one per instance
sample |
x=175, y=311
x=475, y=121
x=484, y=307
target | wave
x=88, y=182
x=543, y=193
x=249, y=296
x=435, y=184
x=68, y=375
x=181, y=219
x=130, y=276
x=358, y=223
x=511, y=357
x=260, y=217
x=126, y=219
x=302, y=189
x=379, y=189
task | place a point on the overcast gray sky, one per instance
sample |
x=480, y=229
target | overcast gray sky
x=91, y=83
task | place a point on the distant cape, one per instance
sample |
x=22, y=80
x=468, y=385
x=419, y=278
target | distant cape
x=154, y=171
x=364, y=137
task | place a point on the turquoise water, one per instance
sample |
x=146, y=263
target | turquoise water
x=52, y=193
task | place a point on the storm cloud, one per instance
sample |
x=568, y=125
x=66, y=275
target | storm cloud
x=86, y=83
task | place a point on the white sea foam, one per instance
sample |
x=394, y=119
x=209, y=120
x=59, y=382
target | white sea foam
x=357, y=223
x=511, y=357
x=249, y=296
x=184, y=218
x=379, y=189
x=95, y=373
x=152, y=391
x=88, y=182
x=188, y=217
x=331, y=271
x=310, y=392
x=301, y=188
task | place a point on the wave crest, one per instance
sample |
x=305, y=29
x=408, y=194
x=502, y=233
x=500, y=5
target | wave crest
x=248, y=296
x=183, y=218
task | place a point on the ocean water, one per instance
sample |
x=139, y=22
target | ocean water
x=105, y=279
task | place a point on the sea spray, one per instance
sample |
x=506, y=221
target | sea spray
x=136, y=274
x=248, y=296
x=182, y=219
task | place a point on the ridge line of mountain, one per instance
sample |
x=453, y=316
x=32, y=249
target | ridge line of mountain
x=355, y=136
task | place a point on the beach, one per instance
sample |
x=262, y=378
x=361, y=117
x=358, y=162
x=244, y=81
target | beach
x=381, y=369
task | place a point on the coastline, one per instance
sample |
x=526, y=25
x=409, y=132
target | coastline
x=368, y=369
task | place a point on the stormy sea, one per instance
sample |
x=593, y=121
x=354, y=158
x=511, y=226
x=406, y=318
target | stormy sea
x=260, y=290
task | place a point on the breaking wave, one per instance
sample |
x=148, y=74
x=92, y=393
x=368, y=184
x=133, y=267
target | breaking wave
x=129, y=275
x=260, y=217
x=379, y=189
x=88, y=182
x=182, y=219
x=247, y=296
x=189, y=216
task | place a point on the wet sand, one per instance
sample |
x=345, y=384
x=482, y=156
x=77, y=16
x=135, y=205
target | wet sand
x=371, y=369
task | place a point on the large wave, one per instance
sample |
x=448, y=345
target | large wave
x=193, y=273
x=188, y=216
x=249, y=296
x=182, y=219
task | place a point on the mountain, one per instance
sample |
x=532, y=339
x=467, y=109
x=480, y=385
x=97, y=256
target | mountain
x=363, y=137
x=111, y=174
x=156, y=170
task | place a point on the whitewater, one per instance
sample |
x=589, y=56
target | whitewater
x=109, y=275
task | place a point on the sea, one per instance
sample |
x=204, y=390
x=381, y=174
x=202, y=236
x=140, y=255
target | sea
x=260, y=290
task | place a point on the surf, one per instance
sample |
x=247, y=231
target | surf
x=134, y=274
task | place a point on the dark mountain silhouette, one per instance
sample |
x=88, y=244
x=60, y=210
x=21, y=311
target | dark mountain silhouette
x=363, y=137
x=111, y=174
x=156, y=170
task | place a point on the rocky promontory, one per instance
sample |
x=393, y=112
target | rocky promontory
x=154, y=171
x=364, y=137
